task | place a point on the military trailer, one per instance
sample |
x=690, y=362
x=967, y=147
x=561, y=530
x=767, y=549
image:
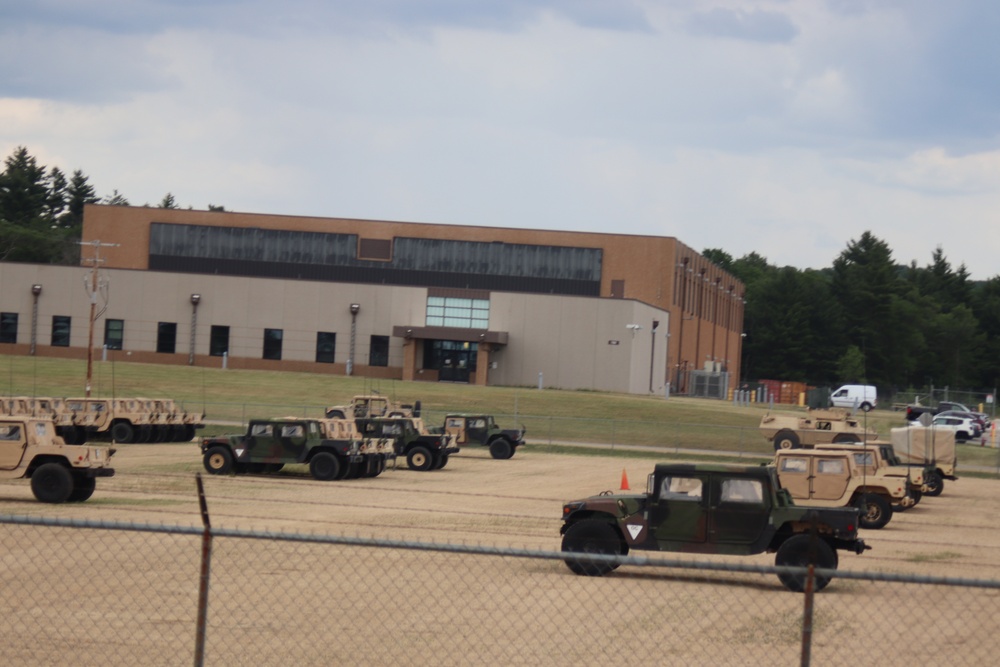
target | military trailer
x=479, y=429
x=833, y=478
x=270, y=444
x=30, y=447
x=423, y=450
x=710, y=509
x=931, y=448
x=816, y=427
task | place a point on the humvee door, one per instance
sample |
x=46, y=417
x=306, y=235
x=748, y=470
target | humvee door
x=679, y=513
x=13, y=442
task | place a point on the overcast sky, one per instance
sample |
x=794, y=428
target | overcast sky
x=786, y=127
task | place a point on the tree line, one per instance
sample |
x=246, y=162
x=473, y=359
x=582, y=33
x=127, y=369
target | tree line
x=866, y=319
x=41, y=210
x=869, y=320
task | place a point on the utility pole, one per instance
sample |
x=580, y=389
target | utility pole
x=94, y=283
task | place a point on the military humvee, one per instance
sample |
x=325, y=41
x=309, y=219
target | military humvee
x=483, y=430
x=371, y=406
x=269, y=444
x=29, y=447
x=836, y=478
x=878, y=458
x=423, y=450
x=816, y=427
x=123, y=420
x=710, y=509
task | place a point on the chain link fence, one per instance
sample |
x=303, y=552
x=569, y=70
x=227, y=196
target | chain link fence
x=103, y=593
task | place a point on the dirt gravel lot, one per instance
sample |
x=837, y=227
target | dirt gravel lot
x=416, y=607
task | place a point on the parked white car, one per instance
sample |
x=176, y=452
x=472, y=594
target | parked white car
x=964, y=428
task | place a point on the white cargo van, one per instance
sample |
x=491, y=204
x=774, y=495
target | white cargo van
x=861, y=396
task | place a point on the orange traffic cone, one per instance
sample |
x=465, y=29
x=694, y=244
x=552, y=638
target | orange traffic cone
x=624, y=481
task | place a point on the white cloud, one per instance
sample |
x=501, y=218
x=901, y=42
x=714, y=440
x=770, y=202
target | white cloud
x=777, y=127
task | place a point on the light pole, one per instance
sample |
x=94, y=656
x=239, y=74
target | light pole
x=36, y=289
x=195, y=300
x=652, y=353
x=355, y=307
x=666, y=383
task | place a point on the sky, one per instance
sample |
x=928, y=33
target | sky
x=784, y=127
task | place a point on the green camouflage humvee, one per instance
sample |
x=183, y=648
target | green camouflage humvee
x=480, y=429
x=271, y=443
x=710, y=509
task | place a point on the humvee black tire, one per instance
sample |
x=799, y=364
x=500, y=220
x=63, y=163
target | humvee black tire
x=845, y=438
x=83, y=489
x=335, y=414
x=794, y=552
x=440, y=461
x=144, y=433
x=501, y=449
x=218, y=461
x=593, y=536
x=395, y=415
x=122, y=432
x=874, y=511
x=52, y=483
x=420, y=458
x=189, y=431
x=934, y=483
x=786, y=439
x=324, y=466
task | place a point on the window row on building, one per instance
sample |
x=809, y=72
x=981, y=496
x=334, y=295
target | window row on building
x=218, y=345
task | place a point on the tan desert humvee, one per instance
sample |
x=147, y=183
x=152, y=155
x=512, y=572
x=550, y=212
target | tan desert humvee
x=29, y=447
x=372, y=406
x=825, y=478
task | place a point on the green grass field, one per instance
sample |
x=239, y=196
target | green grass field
x=552, y=417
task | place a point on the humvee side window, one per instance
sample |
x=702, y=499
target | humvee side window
x=10, y=432
x=830, y=467
x=261, y=430
x=793, y=465
x=681, y=488
x=864, y=459
x=823, y=426
x=478, y=423
x=292, y=431
x=41, y=429
x=455, y=423
x=742, y=491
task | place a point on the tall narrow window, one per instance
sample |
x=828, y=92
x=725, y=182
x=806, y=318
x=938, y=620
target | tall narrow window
x=166, y=337
x=218, y=343
x=114, y=334
x=378, y=355
x=8, y=327
x=60, y=330
x=272, y=343
x=326, y=346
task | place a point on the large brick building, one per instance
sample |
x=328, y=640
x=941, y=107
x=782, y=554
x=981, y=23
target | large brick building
x=402, y=300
